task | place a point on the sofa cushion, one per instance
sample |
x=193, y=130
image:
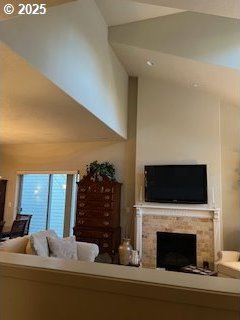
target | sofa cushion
x=29, y=249
x=16, y=245
x=230, y=269
x=87, y=251
x=39, y=242
x=65, y=248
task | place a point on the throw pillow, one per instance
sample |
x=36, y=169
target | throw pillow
x=39, y=242
x=65, y=248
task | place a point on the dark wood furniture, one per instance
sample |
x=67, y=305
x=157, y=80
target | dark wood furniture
x=27, y=217
x=17, y=230
x=98, y=213
x=1, y=225
x=3, y=186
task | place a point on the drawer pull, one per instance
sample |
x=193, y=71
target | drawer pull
x=106, y=214
x=82, y=213
x=82, y=221
x=106, y=223
x=105, y=245
x=82, y=196
x=107, y=197
x=82, y=204
x=106, y=205
x=107, y=190
x=105, y=235
x=82, y=189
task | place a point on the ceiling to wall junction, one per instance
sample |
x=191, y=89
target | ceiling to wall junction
x=225, y=8
x=187, y=48
x=69, y=46
x=117, y=12
x=195, y=55
x=34, y=110
x=219, y=81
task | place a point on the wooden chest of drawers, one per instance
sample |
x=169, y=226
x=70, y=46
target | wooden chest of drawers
x=98, y=213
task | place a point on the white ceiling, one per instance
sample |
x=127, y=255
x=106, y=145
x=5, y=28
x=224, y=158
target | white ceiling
x=36, y=111
x=191, y=35
x=225, y=8
x=186, y=48
x=220, y=81
x=117, y=12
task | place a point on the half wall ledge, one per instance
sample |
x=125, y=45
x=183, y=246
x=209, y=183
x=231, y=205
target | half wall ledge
x=61, y=289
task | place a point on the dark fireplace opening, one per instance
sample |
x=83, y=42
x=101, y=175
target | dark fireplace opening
x=176, y=250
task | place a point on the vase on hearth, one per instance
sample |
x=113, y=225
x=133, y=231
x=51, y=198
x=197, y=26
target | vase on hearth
x=124, y=251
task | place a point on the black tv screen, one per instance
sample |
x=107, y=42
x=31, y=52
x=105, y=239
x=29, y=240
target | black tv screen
x=176, y=184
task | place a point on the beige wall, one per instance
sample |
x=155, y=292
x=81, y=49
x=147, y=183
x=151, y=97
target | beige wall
x=182, y=125
x=66, y=157
x=230, y=134
x=75, y=156
x=175, y=125
x=178, y=126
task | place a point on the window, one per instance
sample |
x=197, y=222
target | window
x=50, y=198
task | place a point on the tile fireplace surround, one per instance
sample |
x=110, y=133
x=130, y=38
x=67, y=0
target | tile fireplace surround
x=202, y=221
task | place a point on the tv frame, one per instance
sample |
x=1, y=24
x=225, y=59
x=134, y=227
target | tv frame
x=176, y=201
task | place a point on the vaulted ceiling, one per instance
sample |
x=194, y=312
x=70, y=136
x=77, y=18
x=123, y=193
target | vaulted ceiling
x=186, y=48
x=189, y=42
x=35, y=110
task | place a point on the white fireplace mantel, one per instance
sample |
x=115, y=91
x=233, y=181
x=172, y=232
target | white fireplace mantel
x=177, y=211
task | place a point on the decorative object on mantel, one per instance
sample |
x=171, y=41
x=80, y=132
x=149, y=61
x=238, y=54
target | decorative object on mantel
x=100, y=170
x=125, y=251
x=135, y=258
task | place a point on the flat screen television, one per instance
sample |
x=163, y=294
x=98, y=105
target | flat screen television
x=176, y=183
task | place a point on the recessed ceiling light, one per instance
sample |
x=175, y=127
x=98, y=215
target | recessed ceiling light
x=195, y=84
x=150, y=63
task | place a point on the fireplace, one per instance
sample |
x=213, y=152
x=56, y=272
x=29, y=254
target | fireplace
x=176, y=250
x=204, y=222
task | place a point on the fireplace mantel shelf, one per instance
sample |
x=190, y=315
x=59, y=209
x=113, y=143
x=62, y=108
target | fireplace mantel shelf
x=145, y=205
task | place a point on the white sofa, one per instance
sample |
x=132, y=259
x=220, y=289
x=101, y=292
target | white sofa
x=85, y=251
x=228, y=264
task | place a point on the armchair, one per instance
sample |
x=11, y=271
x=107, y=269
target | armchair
x=228, y=264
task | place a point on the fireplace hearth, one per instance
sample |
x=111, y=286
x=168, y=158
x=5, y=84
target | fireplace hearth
x=176, y=250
